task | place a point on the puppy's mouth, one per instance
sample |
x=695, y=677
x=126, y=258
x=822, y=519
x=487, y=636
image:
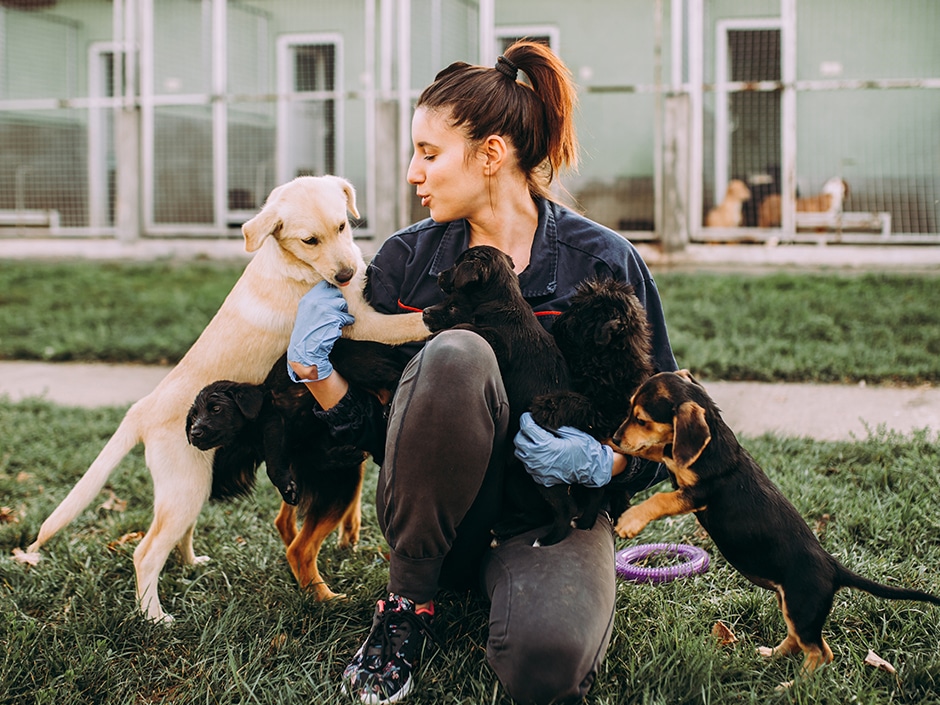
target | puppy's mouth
x=204, y=442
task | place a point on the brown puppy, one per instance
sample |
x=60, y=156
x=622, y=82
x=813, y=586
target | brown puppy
x=829, y=200
x=755, y=527
x=727, y=214
x=302, y=236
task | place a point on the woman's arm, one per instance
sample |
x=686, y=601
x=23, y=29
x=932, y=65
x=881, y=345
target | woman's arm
x=327, y=391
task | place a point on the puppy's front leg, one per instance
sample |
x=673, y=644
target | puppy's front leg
x=662, y=504
x=392, y=329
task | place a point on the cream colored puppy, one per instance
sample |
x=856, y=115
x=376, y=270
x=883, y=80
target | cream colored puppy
x=727, y=214
x=300, y=237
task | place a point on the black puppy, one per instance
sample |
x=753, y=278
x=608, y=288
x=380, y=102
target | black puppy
x=673, y=420
x=606, y=339
x=274, y=423
x=482, y=294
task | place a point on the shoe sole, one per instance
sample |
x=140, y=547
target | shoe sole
x=373, y=699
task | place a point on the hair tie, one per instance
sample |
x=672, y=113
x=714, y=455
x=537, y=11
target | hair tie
x=506, y=67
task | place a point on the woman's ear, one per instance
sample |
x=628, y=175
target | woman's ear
x=495, y=151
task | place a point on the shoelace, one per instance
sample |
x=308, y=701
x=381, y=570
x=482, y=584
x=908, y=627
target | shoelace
x=385, y=631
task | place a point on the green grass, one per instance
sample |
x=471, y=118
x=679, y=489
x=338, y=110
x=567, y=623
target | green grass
x=881, y=328
x=245, y=633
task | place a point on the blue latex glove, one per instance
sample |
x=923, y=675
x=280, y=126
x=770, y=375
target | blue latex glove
x=321, y=315
x=571, y=457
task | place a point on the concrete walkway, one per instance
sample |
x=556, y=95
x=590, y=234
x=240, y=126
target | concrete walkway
x=823, y=412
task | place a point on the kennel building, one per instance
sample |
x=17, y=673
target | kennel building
x=175, y=118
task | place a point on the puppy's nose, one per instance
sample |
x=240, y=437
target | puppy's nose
x=196, y=432
x=344, y=275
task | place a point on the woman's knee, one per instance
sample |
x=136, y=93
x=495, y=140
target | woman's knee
x=547, y=669
x=456, y=353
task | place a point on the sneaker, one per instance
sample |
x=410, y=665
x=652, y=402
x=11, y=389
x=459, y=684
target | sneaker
x=381, y=671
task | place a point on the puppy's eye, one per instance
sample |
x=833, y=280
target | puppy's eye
x=312, y=240
x=342, y=226
x=640, y=422
x=215, y=409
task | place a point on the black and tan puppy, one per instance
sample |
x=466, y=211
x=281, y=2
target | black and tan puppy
x=274, y=423
x=758, y=531
x=606, y=340
x=482, y=294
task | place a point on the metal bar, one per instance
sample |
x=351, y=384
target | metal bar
x=697, y=109
x=788, y=126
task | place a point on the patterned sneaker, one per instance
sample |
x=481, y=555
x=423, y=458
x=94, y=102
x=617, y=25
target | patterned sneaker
x=381, y=671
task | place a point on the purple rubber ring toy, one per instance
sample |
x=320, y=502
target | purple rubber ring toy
x=695, y=561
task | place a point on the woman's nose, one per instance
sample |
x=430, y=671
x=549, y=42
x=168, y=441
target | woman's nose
x=414, y=173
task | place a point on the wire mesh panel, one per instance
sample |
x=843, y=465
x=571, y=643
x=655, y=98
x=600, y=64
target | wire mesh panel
x=440, y=32
x=852, y=125
x=43, y=147
x=862, y=136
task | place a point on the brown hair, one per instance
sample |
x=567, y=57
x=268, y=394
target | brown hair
x=537, y=117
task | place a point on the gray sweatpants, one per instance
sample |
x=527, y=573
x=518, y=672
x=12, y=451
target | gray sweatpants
x=439, y=493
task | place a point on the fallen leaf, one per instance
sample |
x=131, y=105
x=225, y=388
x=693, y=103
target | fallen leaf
x=875, y=660
x=723, y=633
x=8, y=516
x=821, y=525
x=113, y=503
x=126, y=538
x=21, y=556
x=23, y=476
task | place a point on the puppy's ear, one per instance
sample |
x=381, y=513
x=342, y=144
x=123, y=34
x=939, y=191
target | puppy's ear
x=690, y=434
x=687, y=376
x=445, y=280
x=249, y=399
x=350, y=194
x=467, y=274
x=267, y=222
x=607, y=332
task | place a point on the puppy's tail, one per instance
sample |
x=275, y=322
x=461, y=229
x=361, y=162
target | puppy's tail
x=846, y=578
x=87, y=488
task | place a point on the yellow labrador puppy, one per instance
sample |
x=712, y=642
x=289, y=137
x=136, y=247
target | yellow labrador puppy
x=301, y=236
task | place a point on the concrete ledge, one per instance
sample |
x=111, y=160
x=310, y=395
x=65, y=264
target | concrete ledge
x=919, y=258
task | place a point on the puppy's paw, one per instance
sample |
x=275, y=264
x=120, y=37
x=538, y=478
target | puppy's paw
x=630, y=524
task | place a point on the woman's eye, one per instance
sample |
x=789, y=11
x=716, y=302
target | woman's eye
x=429, y=157
x=312, y=240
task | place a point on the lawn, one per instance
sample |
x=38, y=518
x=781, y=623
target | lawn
x=881, y=328
x=245, y=633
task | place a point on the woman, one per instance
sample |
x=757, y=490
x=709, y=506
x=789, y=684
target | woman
x=486, y=147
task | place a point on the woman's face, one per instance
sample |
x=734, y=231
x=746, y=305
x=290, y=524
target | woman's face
x=448, y=183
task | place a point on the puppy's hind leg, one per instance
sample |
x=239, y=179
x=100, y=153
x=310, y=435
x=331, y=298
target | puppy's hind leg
x=805, y=616
x=182, y=479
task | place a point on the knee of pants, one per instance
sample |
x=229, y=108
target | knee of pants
x=548, y=672
x=456, y=353
x=551, y=613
